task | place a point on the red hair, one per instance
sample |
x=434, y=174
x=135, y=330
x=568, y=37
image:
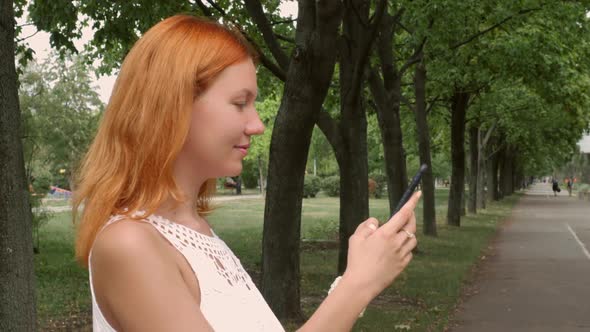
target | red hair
x=129, y=164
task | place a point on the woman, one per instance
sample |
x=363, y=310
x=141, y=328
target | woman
x=181, y=115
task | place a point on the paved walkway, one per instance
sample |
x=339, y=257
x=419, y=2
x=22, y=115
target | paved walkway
x=538, y=278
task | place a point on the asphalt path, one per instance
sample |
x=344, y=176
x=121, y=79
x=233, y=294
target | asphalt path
x=537, y=277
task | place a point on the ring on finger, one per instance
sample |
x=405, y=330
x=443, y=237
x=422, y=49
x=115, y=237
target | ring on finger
x=408, y=233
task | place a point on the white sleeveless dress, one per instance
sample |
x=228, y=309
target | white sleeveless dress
x=229, y=299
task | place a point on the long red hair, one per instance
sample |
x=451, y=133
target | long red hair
x=129, y=164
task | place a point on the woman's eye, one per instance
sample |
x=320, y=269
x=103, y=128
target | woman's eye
x=241, y=104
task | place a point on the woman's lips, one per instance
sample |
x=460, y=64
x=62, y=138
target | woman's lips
x=243, y=149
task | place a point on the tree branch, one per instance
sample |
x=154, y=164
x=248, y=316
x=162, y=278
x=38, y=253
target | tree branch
x=410, y=31
x=283, y=22
x=254, y=8
x=431, y=104
x=285, y=38
x=206, y=11
x=27, y=37
x=330, y=128
x=366, y=48
x=498, y=149
x=418, y=53
x=356, y=13
x=217, y=7
x=266, y=62
x=385, y=49
x=414, y=59
x=488, y=135
x=377, y=88
x=480, y=33
x=406, y=101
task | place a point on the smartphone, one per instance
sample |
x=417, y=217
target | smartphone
x=415, y=180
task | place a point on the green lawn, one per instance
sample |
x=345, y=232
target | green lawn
x=57, y=202
x=421, y=299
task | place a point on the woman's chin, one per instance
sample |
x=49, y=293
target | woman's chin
x=235, y=171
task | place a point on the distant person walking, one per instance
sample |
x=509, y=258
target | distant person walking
x=570, y=185
x=555, y=187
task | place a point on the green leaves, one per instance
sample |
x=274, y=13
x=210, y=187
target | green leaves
x=60, y=109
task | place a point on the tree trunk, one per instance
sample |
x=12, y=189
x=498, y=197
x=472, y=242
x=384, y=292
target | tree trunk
x=506, y=176
x=491, y=179
x=353, y=154
x=261, y=175
x=388, y=116
x=387, y=92
x=17, y=278
x=429, y=213
x=354, y=195
x=463, y=202
x=495, y=168
x=459, y=105
x=501, y=173
x=481, y=174
x=310, y=72
x=239, y=185
x=473, y=170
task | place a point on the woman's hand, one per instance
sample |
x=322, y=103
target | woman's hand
x=377, y=255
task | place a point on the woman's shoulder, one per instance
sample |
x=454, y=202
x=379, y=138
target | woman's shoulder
x=125, y=234
x=126, y=241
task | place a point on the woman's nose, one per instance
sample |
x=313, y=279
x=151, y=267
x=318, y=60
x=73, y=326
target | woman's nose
x=255, y=125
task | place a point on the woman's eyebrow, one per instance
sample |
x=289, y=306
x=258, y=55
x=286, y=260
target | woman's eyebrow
x=248, y=92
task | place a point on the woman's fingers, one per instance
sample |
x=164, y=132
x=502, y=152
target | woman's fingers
x=402, y=239
x=400, y=219
x=366, y=228
x=408, y=246
x=411, y=225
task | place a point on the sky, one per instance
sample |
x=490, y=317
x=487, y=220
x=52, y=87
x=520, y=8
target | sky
x=585, y=144
x=39, y=42
x=104, y=84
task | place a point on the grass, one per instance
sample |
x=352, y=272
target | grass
x=421, y=299
x=62, y=286
x=57, y=202
x=231, y=191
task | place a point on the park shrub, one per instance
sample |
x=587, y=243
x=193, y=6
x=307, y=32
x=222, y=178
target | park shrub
x=331, y=185
x=311, y=186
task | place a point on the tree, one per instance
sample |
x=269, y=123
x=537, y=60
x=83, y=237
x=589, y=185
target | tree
x=385, y=87
x=310, y=71
x=421, y=113
x=60, y=111
x=17, y=285
x=348, y=134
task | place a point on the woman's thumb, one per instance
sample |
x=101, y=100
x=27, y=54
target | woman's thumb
x=368, y=227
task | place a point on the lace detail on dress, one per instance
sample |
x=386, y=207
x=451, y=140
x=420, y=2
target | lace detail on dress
x=225, y=263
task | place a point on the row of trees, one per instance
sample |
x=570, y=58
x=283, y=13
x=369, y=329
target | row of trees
x=508, y=77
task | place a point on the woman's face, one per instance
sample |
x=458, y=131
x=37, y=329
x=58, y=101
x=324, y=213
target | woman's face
x=222, y=122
